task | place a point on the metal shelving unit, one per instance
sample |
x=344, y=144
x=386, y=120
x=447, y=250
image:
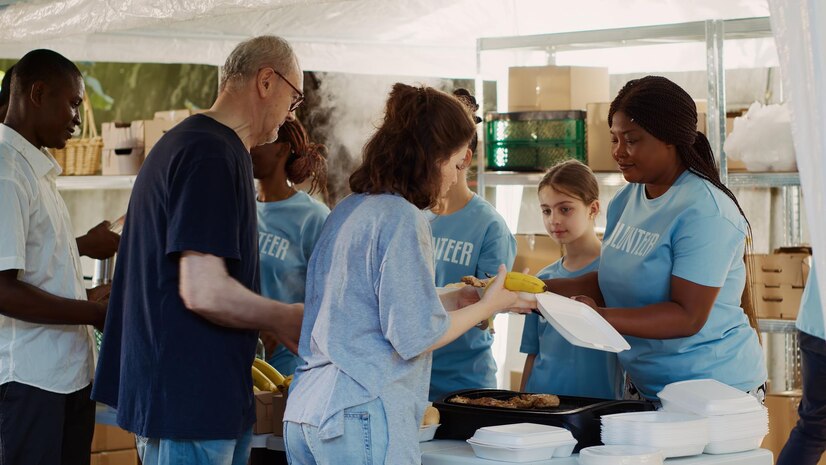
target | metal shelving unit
x=80, y=183
x=714, y=33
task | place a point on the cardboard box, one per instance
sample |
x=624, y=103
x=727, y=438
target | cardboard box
x=279, y=404
x=154, y=130
x=538, y=88
x=263, y=413
x=781, y=301
x=121, y=457
x=781, y=268
x=535, y=252
x=122, y=148
x=599, y=136
x=109, y=438
x=782, y=419
x=515, y=380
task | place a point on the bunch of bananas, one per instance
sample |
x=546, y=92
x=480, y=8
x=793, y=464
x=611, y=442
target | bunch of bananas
x=266, y=378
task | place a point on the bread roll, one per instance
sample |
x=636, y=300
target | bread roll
x=431, y=416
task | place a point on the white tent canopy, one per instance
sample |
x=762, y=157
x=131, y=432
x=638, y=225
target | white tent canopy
x=410, y=37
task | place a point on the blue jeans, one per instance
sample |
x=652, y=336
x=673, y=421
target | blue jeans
x=364, y=441
x=197, y=452
x=808, y=438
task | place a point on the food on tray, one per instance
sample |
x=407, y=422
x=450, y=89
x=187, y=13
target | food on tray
x=431, y=416
x=522, y=401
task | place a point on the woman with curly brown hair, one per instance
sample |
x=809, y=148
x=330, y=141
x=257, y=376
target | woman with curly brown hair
x=372, y=314
x=289, y=221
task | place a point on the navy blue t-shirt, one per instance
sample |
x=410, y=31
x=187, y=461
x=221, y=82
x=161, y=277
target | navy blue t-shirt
x=169, y=372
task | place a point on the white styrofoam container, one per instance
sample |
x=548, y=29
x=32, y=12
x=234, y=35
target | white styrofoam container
x=706, y=397
x=522, y=454
x=426, y=433
x=580, y=324
x=521, y=435
x=621, y=455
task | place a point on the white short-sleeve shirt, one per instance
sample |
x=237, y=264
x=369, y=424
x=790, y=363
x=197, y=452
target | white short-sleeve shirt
x=36, y=238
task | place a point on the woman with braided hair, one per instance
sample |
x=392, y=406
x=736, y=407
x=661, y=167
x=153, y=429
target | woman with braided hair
x=289, y=221
x=672, y=273
x=470, y=238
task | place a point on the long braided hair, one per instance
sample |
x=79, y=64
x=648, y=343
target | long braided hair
x=667, y=112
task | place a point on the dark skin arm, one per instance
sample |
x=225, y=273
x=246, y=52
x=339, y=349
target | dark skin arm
x=28, y=303
x=682, y=316
x=99, y=242
x=585, y=285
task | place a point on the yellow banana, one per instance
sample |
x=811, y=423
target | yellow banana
x=285, y=386
x=261, y=382
x=521, y=282
x=269, y=371
x=255, y=389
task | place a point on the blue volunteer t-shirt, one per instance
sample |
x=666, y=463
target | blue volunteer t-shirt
x=287, y=232
x=169, y=372
x=694, y=232
x=560, y=367
x=810, y=317
x=371, y=312
x=470, y=242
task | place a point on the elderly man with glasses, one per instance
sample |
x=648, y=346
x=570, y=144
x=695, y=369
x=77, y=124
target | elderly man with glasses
x=184, y=312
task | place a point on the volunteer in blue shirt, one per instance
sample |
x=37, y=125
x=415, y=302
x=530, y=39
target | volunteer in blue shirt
x=470, y=238
x=289, y=222
x=569, y=199
x=672, y=272
x=372, y=313
x=807, y=442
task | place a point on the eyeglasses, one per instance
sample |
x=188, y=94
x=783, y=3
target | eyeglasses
x=297, y=101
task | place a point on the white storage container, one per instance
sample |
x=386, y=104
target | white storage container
x=427, y=433
x=580, y=324
x=521, y=454
x=706, y=397
x=522, y=435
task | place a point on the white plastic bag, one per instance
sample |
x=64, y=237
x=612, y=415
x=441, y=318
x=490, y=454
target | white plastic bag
x=762, y=139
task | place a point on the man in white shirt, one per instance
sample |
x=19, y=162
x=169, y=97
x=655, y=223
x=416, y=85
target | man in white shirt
x=46, y=365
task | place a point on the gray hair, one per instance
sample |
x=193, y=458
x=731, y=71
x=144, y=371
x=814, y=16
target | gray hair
x=251, y=55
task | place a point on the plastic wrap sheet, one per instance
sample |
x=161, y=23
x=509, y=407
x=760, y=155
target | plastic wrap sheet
x=798, y=27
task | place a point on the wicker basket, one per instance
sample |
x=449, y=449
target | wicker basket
x=82, y=156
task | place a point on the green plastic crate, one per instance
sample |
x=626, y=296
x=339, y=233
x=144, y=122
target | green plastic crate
x=531, y=156
x=536, y=126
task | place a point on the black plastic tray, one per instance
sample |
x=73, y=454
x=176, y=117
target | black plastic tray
x=579, y=415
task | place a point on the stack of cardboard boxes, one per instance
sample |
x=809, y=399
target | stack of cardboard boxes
x=113, y=446
x=554, y=88
x=125, y=145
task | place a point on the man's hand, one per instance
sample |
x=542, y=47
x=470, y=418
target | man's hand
x=287, y=328
x=270, y=341
x=99, y=242
x=99, y=294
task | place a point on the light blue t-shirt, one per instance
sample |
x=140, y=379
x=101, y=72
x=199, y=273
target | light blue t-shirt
x=560, y=367
x=470, y=242
x=694, y=232
x=371, y=311
x=810, y=317
x=287, y=232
